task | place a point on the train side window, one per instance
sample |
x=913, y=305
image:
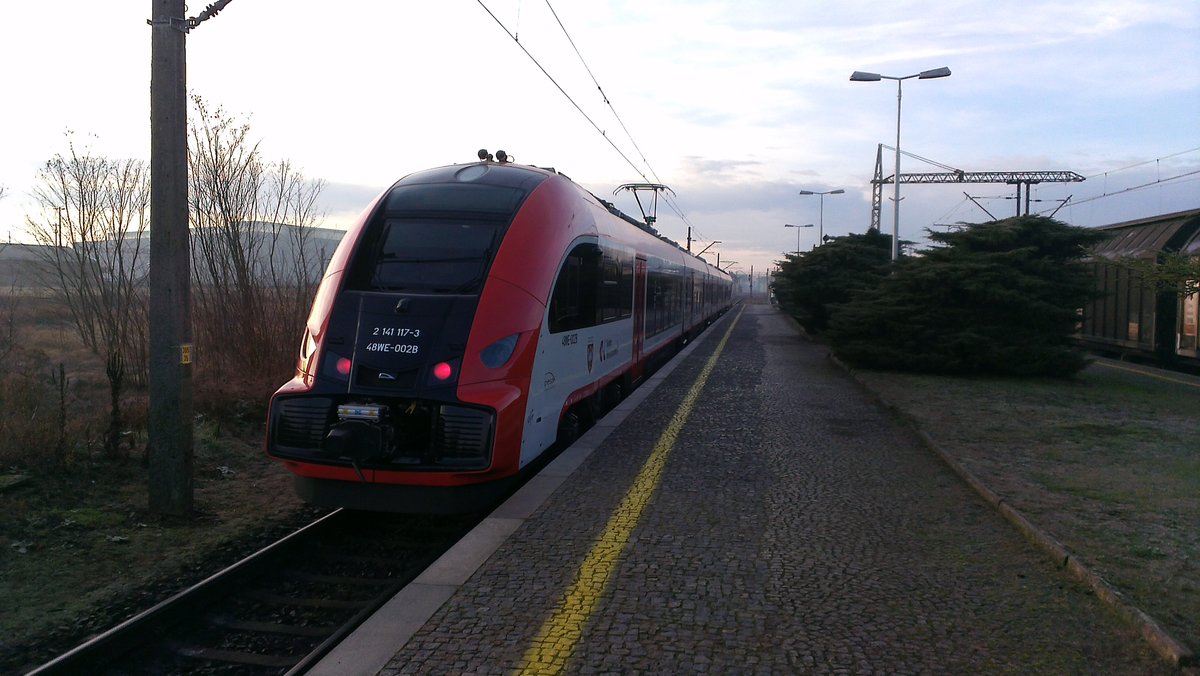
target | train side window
x=610, y=277
x=664, y=300
x=625, y=288
x=573, y=303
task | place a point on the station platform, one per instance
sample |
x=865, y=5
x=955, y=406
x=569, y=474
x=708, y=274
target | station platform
x=749, y=510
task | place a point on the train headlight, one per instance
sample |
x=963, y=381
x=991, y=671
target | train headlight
x=498, y=353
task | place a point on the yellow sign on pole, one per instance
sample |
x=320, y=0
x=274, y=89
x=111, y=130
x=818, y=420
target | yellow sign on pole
x=185, y=353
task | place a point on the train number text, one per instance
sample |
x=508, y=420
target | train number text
x=399, y=348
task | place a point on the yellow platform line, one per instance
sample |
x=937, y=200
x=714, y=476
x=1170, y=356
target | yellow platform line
x=556, y=641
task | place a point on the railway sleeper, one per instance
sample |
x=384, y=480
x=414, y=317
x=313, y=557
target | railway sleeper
x=238, y=657
x=380, y=561
x=346, y=580
x=281, y=600
x=271, y=627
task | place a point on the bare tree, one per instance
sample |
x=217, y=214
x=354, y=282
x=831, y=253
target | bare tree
x=93, y=228
x=225, y=174
x=294, y=267
x=254, y=271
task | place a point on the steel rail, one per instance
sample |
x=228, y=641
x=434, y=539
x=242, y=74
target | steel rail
x=132, y=633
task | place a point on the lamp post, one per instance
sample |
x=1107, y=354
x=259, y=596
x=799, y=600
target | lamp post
x=789, y=225
x=821, y=222
x=859, y=76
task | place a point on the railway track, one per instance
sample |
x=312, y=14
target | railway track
x=279, y=610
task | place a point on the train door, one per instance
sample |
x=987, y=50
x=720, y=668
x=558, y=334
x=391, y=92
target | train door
x=639, y=316
x=691, y=298
x=1188, y=344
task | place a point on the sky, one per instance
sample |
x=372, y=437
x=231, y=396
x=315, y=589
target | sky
x=737, y=105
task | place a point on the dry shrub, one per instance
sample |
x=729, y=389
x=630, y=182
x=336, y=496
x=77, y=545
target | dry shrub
x=240, y=364
x=49, y=383
x=42, y=420
x=236, y=400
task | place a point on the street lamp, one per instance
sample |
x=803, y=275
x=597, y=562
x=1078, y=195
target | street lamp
x=789, y=225
x=821, y=227
x=859, y=76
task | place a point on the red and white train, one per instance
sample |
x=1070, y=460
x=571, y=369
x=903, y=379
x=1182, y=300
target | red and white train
x=473, y=316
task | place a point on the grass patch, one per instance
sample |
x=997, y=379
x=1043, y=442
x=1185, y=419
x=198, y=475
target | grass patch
x=1106, y=462
x=72, y=567
x=79, y=551
x=86, y=518
x=1148, y=552
x=1186, y=470
x=1103, y=432
x=1072, y=487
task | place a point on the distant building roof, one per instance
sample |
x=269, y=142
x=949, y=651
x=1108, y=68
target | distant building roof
x=1146, y=237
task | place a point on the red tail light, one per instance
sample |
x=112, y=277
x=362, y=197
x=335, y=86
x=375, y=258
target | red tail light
x=443, y=371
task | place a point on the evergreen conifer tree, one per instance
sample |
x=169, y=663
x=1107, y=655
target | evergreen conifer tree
x=809, y=284
x=1000, y=298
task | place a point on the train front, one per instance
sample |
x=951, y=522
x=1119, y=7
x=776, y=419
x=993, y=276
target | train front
x=408, y=396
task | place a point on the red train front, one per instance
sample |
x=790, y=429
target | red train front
x=413, y=387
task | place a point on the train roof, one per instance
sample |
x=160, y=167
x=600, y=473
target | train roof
x=526, y=177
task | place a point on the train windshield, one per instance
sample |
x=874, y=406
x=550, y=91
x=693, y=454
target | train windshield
x=428, y=255
x=435, y=237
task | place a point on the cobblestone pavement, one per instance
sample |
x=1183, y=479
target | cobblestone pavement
x=796, y=530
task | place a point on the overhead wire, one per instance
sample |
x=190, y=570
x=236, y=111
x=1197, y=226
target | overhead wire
x=561, y=90
x=1145, y=162
x=1159, y=181
x=962, y=203
x=1105, y=174
x=1151, y=184
x=600, y=89
x=666, y=198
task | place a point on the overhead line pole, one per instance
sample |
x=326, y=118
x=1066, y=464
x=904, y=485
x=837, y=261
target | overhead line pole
x=170, y=424
x=169, y=444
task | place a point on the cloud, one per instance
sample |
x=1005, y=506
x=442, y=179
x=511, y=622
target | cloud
x=698, y=168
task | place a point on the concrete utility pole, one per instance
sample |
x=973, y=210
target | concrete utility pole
x=170, y=424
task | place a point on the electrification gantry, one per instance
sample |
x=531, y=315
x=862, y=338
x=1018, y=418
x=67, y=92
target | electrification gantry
x=953, y=175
